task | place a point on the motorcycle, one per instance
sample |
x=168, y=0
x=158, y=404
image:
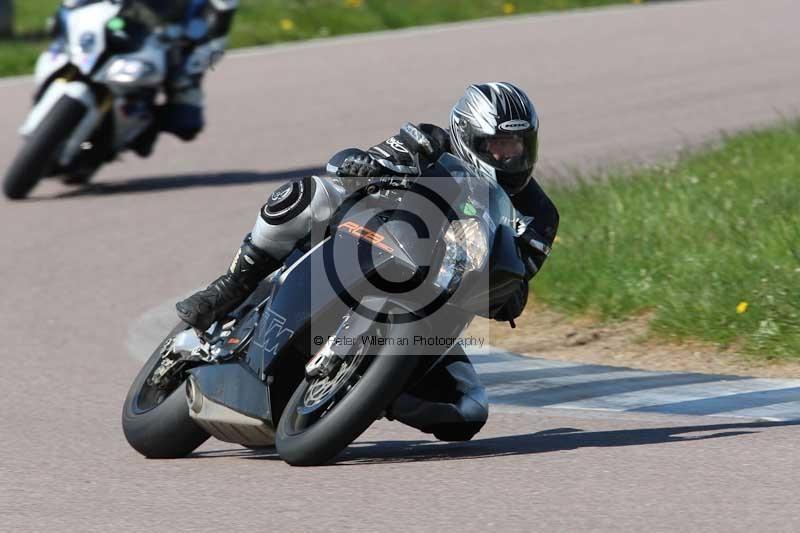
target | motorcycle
x=96, y=90
x=327, y=342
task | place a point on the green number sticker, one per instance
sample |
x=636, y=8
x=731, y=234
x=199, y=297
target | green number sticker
x=469, y=209
x=116, y=24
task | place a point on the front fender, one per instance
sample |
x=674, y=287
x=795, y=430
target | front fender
x=76, y=90
x=49, y=64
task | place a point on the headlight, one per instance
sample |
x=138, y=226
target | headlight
x=467, y=249
x=130, y=70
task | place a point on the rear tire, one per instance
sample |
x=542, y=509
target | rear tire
x=165, y=431
x=36, y=156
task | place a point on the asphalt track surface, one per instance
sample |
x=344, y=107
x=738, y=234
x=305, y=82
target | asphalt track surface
x=78, y=268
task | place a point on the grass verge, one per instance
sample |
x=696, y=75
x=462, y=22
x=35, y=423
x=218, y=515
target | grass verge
x=271, y=21
x=710, y=246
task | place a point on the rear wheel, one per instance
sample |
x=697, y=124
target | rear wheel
x=156, y=420
x=325, y=414
x=40, y=150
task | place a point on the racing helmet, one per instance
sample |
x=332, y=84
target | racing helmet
x=494, y=127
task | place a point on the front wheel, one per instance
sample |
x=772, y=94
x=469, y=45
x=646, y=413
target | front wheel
x=324, y=415
x=40, y=150
x=156, y=420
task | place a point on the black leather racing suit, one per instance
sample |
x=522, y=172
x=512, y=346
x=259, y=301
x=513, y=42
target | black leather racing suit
x=450, y=402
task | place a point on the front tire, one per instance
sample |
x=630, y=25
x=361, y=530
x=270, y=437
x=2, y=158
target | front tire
x=160, y=428
x=313, y=435
x=37, y=155
x=384, y=380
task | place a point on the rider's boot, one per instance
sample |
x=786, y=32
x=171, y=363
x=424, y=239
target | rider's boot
x=144, y=143
x=226, y=293
x=183, y=115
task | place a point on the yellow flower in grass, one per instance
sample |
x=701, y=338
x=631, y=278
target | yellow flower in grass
x=354, y=3
x=509, y=8
x=742, y=308
x=287, y=24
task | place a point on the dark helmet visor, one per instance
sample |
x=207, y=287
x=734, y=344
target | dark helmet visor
x=508, y=152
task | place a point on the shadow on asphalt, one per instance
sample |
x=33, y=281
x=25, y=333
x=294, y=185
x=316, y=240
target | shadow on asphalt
x=183, y=181
x=552, y=440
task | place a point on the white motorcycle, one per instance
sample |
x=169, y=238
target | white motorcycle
x=97, y=89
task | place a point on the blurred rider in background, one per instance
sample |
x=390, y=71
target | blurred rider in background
x=205, y=25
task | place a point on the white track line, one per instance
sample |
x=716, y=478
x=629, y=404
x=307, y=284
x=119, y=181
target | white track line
x=680, y=393
x=514, y=380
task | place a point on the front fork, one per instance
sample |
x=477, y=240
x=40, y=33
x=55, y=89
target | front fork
x=96, y=102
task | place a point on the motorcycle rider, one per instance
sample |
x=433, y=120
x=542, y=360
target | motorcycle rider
x=494, y=127
x=206, y=24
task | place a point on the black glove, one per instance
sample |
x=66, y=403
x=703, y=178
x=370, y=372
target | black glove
x=361, y=166
x=513, y=306
x=425, y=140
x=411, y=150
x=534, y=249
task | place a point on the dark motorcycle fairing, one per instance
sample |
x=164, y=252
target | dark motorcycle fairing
x=314, y=291
x=235, y=385
x=306, y=296
x=499, y=280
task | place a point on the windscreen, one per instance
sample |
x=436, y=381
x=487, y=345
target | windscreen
x=156, y=12
x=481, y=196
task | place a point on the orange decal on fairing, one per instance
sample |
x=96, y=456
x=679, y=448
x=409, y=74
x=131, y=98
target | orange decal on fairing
x=360, y=232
